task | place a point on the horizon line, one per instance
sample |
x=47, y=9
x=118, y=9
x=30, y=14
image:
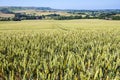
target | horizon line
x=65, y=8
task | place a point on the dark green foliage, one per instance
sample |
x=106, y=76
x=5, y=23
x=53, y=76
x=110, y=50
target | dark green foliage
x=67, y=17
x=6, y=19
x=115, y=17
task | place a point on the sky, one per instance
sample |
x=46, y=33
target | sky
x=65, y=4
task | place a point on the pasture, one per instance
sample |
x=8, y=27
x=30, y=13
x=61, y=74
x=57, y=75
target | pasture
x=41, y=12
x=6, y=15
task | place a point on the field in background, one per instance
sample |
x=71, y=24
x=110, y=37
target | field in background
x=64, y=25
x=6, y=15
x=36, y=13
x=41, y=12
x=60, y=50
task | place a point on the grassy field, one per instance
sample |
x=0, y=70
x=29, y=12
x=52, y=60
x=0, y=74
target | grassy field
x=6, y=15
x=60, y=50
x=40, y=13
x=77, y=25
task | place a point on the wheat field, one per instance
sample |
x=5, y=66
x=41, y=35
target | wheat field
x=60, y=50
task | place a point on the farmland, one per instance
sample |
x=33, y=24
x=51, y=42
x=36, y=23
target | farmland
x=6, y=15
x=47, y=13
x=40, y=13
x=83, y=49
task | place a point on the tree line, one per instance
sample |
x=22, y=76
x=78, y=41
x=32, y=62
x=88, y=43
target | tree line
x=21, y=16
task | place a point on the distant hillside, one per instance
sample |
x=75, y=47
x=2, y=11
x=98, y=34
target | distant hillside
x=30, y=13
x=10, y=9
x=15, y=8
